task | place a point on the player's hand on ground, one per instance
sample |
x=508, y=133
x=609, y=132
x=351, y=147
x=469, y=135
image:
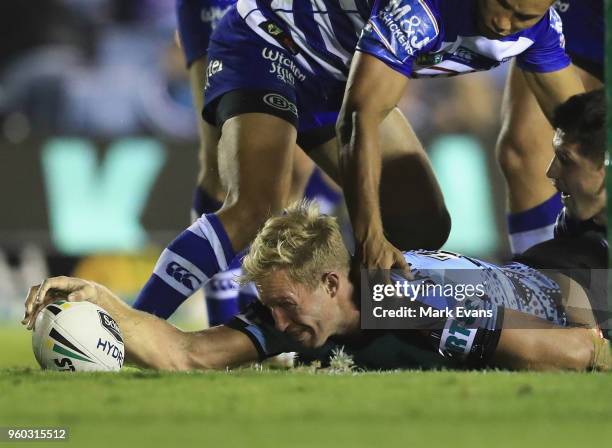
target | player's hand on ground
x=53, y=289
x=379, y=257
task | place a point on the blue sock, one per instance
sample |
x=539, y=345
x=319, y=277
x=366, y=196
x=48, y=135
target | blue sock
x=221, y=296
x=187, y=264
x=535, y=225
x=203, y=203
x=222, y=293
x=318, y=189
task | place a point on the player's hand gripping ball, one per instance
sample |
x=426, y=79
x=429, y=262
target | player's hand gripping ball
x=77, y=336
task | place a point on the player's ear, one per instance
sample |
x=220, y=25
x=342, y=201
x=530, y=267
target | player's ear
x=331, y=282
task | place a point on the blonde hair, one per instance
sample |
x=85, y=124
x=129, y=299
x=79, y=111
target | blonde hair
x=301, y=241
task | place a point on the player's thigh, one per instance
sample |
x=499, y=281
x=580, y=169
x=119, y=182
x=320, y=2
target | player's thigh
x=412, y=205
x=411, y=200
x=406, y=168
x=255, y=159
x=208, y=135
x=301, y=170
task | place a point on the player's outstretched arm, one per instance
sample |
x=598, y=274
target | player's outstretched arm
x=373, y=90
x=554, y=88
x=149, y=341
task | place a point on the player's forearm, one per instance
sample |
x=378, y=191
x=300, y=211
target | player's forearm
x=360, y=164
x=149, y=341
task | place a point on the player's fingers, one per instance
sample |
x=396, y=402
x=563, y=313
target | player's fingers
x=43, y=298
x=402, y=265
x=29, y=302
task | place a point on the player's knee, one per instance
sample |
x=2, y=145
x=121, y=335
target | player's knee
x=585, y=349
x=251, y=210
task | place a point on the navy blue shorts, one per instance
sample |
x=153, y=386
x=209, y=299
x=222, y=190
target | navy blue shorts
x=196, y=19
x=257, y=76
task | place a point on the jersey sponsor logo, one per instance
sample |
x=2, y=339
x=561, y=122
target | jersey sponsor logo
x=457, y=339
x=429, y=59
x=182, y=275
x=561, y=6
x=280, y=36
x=284, y=68
x=214, y=67
x=110, y=325
x=405, y=26
x=280, y=102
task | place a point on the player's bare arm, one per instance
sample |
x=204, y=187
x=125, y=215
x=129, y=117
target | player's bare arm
x=149, y=341
x=554, y=88
x=373, y=90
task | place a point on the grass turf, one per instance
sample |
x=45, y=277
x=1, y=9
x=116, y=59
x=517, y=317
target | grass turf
x=302, y=409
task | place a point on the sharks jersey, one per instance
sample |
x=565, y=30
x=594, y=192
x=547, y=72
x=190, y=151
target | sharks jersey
x=196, y=21
x=464, y=340
x=427, y=38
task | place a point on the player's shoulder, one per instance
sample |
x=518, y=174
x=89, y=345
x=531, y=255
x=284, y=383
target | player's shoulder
x=549, y=24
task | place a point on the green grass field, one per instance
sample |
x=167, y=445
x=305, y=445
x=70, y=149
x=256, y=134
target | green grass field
x=304, y=409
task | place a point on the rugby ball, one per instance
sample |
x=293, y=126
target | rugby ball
x=77, y=337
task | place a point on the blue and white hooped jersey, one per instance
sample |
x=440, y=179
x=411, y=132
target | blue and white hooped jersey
x=196, y=21
x=427, y=38
x=325, y=31
x=416, y=37
x=583, y=26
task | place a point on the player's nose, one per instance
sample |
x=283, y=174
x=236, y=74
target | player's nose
x=502, y=24
x=280, y=320
x=552, y=172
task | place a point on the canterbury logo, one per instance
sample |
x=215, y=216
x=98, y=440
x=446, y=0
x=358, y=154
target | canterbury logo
x=182, y=275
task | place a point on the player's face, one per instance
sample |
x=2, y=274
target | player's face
x=499, y=18
x=304, y=314
x=580, y=180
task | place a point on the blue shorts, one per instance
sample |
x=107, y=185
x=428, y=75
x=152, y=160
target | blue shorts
x=257, y=76
x=583, y=27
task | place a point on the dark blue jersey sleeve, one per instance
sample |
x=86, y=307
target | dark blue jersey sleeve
x=398, y=31
x=547, y=53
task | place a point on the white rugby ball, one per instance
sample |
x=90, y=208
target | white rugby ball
x=77, y=337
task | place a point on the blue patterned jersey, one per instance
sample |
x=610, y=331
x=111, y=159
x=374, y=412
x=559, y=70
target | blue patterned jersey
x=427, y=38
x=415, y=37
x=196, y=21
x=325, y=31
